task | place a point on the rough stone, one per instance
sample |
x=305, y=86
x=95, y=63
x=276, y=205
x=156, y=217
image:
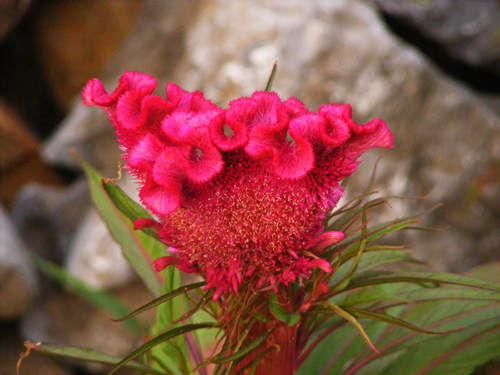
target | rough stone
x=34, y=364
x=18, y=283
x=467, y=30
x=11, y=12
x=47, y=217
x=94, y=256
x=19, y=157
x=68, y=320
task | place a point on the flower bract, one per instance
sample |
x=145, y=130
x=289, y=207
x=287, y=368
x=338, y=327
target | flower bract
x=241, y=193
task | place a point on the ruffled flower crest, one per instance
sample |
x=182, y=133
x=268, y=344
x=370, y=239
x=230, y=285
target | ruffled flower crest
x=241, y=194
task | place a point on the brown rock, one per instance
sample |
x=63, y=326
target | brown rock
x=77, y=38
x=19, y=158
x=68, y=320
x=35, y=364
x=11, y=12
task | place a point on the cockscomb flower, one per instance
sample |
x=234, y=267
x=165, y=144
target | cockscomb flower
x=241, y=193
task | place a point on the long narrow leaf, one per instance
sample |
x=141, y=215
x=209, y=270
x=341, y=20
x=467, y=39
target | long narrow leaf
x=393, y=320
x=162, y=299
x=158, y=340
x=122, y=230
x=351, y=319
x=98, y=298
x=87, y=355
x=246, y=349
x=129, y=207
x=423, y=277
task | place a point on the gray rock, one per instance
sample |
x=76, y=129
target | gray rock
x=94, y=256
x=467, y=29
x=18, y=283
x=47, y=217
x=68, y=320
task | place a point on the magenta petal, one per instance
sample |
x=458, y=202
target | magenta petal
x=295, y=107
x=337, y=131
x=134, y=110
x=145, y=152
x=168, y=168
x=269, y=108
x=294, y=161
x=141, y=82
x=187, y=101
x=365, y=137
x=204, y=163
x=325, y=239
x=94, y=92
x=228, y=142
x=128, y=110
x=144, y=222
x=161, y=263
x=161, y=200
x=322, y=264
x=242, y=110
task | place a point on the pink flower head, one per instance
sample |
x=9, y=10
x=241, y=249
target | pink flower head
x=242, y=193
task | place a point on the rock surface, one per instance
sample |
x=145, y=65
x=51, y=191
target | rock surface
x=68, y=320
x=34, y=364
x=328, y=51
x=19, y=157
x=467, y=30
x=47, y=217
x=94, y=256
x=11, y=12
x=18, y=283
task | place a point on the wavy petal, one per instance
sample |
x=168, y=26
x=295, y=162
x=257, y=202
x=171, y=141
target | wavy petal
x=94, y=92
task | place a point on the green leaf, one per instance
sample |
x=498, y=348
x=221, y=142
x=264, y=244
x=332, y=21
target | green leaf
x=280, y=313
x=351, y=319
x=454, y=354
x=271, y=77
x=88, y=355
x=395, y=343
x=162, y=299
x=128, y=206
x=174, y=354
x=132, y=242
x=423, y=277
x=391, y=320
x=254, y=344
x=98, y=298
x=158, y=340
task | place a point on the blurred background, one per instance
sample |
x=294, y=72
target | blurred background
x=429, y=68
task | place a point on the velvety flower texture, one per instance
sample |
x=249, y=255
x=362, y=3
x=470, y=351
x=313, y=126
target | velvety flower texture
x=240, y=193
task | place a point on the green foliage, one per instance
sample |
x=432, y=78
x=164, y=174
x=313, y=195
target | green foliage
x=136, y=245
x=280, y=313
x=88, y=355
